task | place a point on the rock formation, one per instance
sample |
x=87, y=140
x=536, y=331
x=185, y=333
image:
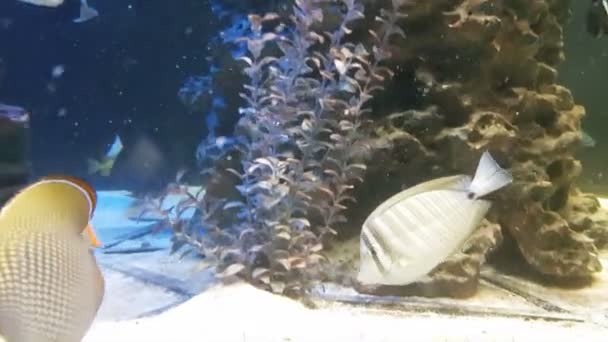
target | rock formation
x=485, y=73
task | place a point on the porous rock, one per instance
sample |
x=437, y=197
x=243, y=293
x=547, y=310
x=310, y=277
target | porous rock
x=485, y=73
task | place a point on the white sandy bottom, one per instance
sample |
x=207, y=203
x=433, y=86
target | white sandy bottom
x=240, y=312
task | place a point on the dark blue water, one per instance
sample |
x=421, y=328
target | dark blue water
x=122, y=73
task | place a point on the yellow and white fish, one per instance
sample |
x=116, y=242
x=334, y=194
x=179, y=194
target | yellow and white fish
x=86, y=12
x=50, y=285
x=412, y=232
x=105, y=165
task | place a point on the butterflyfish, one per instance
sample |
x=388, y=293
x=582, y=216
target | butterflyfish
x=50, y=284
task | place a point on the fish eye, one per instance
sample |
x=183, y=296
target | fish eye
x=471, y=195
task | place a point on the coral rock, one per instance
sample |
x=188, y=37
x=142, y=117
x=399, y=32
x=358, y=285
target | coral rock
x=486, y=78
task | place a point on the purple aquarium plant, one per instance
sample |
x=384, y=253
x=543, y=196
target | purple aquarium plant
x=299, y=146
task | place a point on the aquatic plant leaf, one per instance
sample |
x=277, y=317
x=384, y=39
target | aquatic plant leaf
x=303, y=196
x=348, y=87
x=344, y=198
x=230, y=252
x=268, y=161
x=245, y=232
x=284, y=235
x=316, y=248
x=332, y=173
x=361, y=167
x=336, y=137
x=257, y=248
x=231, y=270
x=246, y=60
x=234, y=172
x=327, y=191
x=361, y=75
x=270, y=16
x=339, y=206
x=346, y=125
x=261, y=185
x=340, y=66
x=315, y=258
x=255, y=47
x=299, y=223
x=307, y=125
x=233, y=204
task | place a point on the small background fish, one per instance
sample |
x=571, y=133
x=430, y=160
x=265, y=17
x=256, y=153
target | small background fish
x=105, y=165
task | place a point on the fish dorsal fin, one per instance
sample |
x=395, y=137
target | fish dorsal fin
x=83, y=186
x=86, y=13
x=489, y=177
x=450, y=182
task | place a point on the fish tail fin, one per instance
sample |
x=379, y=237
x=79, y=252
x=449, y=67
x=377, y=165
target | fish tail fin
x=489, y=177
x=106, y=171
x=86, y=12
x=93, y=166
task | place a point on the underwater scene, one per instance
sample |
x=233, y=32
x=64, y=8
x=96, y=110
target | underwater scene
x=303, y=170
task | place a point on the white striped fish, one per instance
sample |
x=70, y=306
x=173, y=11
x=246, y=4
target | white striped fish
x=412, y=232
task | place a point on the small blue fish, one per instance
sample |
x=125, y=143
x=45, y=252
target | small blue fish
x=105, y=165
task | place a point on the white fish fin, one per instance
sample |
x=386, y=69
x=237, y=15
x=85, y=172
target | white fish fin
x=450, y=182
x=86, y=12
x=489, y=177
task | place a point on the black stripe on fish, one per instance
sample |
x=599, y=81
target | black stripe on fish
x=368, y=244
